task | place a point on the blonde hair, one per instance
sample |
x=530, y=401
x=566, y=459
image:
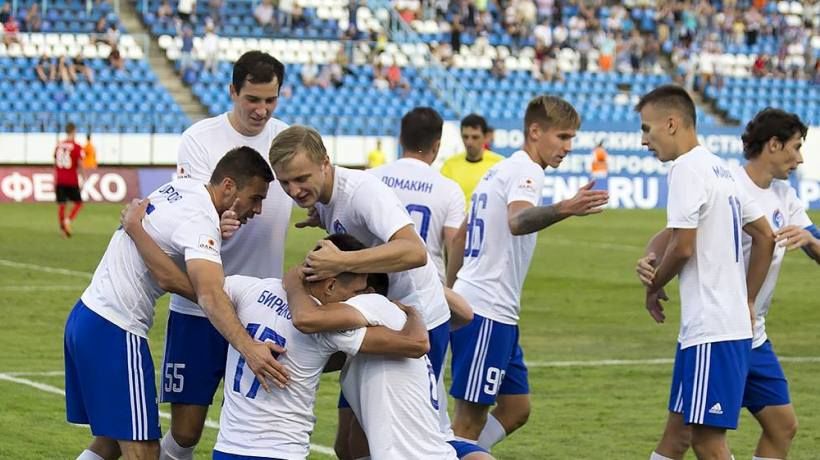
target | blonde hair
x=551, y=112
x=294, y=139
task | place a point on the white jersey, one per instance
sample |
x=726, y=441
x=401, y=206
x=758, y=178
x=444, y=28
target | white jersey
x=258, y=247
x=432, y=200
x=781, y=207
x=364, y=207
x=704, y=195
x=183, y=221
x=495, y=260
x=278, y=424
x=394, y=399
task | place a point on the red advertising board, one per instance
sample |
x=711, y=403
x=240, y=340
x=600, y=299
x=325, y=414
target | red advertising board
x=36, y=184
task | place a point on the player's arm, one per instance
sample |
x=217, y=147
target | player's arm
x=647, y=264
x=169, y=277
x=760, y=257
x=461, y=314
x=524, y=218
x=412, y=341
x=455, y=257
x=680, y=248
x=404, y=251
x=309, y=317
x=207, y=279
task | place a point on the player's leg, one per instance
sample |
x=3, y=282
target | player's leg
x=139, y=450
x=709, y=443
x=193, y=365
x=469, y=419
x=62, y=198
x=342, y=444
x=677, y=437
x=101, y=448
x=78, y=204
x=767, y=397
x=357, y=440
x=513, y=404
x=469, y=451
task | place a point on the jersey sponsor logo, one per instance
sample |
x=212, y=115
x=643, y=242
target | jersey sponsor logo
x=183, y=171
x=208, y=243
x=778, y=219
x=716, y=409
x=338, y=227
x=527, y=184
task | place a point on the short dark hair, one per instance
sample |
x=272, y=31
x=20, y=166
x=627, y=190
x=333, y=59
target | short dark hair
x=379, y=282
x=549, y=112
x=242, y=164
x=420, y=129
x=671, y=97
x=767, y=124
x=70, y=128
x=257, y=67
x=475, y=120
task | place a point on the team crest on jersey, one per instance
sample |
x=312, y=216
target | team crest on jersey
x=208, y=243
x=777, y=219
x=338, y=227
x=183, y=171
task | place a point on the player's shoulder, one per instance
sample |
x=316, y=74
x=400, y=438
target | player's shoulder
x=275, y=126
x=207, y=125
x=783, y=189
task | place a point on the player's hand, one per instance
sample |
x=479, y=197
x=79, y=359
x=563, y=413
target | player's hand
x=323, y=262
x=793, y=237
x=654, y=306
x=586, y=201
x=312, y=219
x=261, y=359
x=132, y=214
x=230, y=222
x=294, y=278
x=646, y=269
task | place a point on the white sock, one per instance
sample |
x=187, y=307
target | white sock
x=763, y=458
x=657, y=456
x=169, y=449
x=492, y=433
x=88, y=455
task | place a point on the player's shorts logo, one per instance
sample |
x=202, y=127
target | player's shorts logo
x=778, y=219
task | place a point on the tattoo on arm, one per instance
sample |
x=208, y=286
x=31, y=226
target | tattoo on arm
x=536, y=218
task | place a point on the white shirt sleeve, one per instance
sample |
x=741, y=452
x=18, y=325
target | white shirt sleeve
x=455, y=206
x=378, y=311
x=348, y=342
x=687, y=193
x=199, y=238
x=796, y=211
x=192, y=160
x=526, y=186
x=749, y=209
x=379, y=209
x=237, y=287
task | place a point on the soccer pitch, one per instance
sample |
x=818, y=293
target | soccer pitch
x=600, y=368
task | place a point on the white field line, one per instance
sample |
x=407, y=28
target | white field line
x=43, y=268
x=13, y=377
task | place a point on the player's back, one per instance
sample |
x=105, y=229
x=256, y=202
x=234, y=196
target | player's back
x=279, y=423
x=183, y=221
x=432, y=200
x=362, y=206
x=394, y=399
x=67, y=157
x=495, y=260
x=705, y=195
x=257, y=248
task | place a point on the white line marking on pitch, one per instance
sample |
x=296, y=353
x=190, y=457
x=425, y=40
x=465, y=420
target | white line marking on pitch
x=43, y=268
x=59, y=391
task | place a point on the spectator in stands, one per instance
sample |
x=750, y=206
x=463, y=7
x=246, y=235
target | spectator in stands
x=395, y=80
x=185, y=11
x=100, y=28
x=264, y=14
x=499, y=69
x=754, y=21
x=286, y=12
x=310, y=73
x=379, y=77
x=298, y=18
x=635, y=48
x=11, y=31
x=352, y=16
x=45, y=69
x=5, y=13
x=63, y=71
x=165, y=14
x=761, y=66
x=455, y=34
x=34, y=21
x=115, y=59
x=815, y=78
x=79, y=65
x=215, y=11
x=210, y=47
x=332, y=74
x=186, y=56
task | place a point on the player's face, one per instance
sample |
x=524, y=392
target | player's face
x=788, y=157
x=473, y=140
x=345, y=287
x=655, y=133
x=303, y=179
x=250, y=199
x=254, y=104
x=554, y=144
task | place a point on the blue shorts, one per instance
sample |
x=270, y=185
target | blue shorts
x=766, y=384
x=217, y=455
x=464, y=448
x=109, y=378
x=439, y=336
x=708, y=381
x=487, y=362
x=194, y=362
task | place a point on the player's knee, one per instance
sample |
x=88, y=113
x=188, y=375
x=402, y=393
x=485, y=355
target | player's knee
x=784, y=431
x=342, y=449
x=186, y=436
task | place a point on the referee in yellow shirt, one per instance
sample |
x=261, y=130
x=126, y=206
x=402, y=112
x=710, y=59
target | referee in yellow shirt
x=468, y=167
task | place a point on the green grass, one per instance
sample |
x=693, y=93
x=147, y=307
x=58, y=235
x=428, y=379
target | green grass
x=581, y=302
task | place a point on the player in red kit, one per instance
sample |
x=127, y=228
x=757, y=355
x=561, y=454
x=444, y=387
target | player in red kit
x=67, y=164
